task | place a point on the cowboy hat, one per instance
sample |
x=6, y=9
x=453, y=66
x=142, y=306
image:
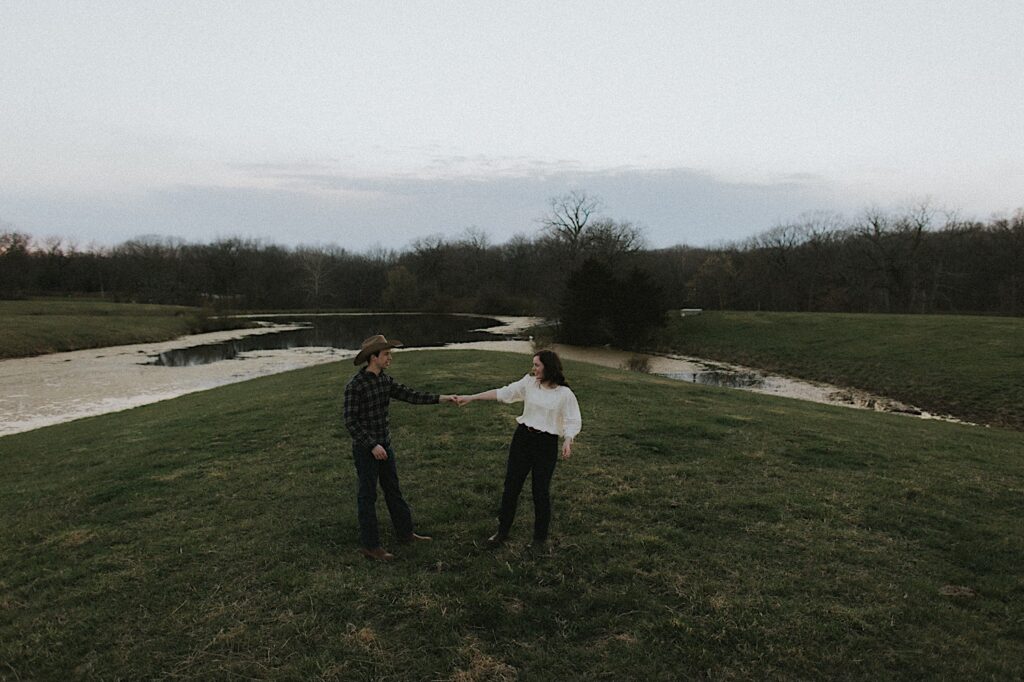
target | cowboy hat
x=372, y=345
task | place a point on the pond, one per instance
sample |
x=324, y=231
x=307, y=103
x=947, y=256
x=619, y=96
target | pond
x=338, y=330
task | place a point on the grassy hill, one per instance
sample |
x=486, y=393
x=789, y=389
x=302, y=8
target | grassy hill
x=968, y=366
x=698, y=533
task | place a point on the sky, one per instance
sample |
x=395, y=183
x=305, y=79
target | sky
x=373, y=124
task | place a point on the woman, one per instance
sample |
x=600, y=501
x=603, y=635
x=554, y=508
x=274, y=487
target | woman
x=550, y=410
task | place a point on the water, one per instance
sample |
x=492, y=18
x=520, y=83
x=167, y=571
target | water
x=338, y=331
x=55, y=388
x=748, y=380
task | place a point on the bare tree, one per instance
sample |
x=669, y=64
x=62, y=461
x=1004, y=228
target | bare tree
x=14, y=242
x=893, y=247
x=400, y=293
x=608, y=239
x=574, y=223
x=316, y=267
x=713, y=283
x=1009, y=237
x=570, y=214
x=475, y=238
x=15, y=260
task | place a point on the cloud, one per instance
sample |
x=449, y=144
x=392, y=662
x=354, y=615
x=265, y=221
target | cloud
x=311, y=202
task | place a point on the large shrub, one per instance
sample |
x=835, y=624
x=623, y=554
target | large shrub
x=601, y=308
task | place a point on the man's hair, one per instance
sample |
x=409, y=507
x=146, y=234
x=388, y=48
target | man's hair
x=552, y=367
x=374, y=354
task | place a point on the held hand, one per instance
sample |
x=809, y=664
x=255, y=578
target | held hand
x=379, y=452
x=450, y=399
x=567, y=449
x=462, y=400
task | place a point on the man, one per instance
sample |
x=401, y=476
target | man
x=368, y=395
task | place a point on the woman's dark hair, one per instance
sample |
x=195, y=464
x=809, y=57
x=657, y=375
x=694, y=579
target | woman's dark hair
x=552, y=367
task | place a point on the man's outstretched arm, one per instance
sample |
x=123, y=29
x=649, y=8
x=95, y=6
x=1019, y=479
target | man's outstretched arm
x=408, y=395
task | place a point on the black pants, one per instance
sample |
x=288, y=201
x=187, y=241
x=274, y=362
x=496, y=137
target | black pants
x=534, y=452
x=369, y=471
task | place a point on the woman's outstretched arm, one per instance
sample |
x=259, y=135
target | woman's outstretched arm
x=485, y=395
x=514, y=392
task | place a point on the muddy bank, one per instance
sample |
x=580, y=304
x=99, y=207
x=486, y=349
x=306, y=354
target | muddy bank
x=698, y=370
x=60, y=387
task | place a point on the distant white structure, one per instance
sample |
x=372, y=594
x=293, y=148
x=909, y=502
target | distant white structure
x=690, y=311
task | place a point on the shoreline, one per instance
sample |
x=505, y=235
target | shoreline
x=51, y=389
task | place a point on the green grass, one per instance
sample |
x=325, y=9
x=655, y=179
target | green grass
x=970, y=367
x=39, y=326
x=698, y=533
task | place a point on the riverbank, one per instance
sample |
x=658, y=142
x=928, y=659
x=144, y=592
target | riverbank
x=726, y=375
x=967, y=368
x=61, y=387
x=35, y=327
x=697, y=533
x=963, y=365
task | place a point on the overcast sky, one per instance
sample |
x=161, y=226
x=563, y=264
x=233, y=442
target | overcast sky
x=375, y=123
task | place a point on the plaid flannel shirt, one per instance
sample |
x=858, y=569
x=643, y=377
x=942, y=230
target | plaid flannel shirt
x=367, y=398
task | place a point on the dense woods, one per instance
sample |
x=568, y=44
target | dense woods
x=891, y=263
x=909, y=262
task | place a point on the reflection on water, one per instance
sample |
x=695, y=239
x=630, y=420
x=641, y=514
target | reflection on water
x=339, y=331
x=721, y=378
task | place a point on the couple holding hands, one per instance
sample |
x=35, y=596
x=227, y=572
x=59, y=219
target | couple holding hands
x=550, y=410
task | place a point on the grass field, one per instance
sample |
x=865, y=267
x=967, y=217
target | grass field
x=967, y=366
x=698, y=533
x=39, y=326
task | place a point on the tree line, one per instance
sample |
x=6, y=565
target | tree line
x=905, y=262
x=896, y=262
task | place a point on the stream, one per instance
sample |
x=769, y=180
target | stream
x=60, y=387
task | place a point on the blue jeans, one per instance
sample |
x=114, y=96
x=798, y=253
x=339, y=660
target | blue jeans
x=368, y=472
x=530, y=454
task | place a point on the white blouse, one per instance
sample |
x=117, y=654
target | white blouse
x=554, y=410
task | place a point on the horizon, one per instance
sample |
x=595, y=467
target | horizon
x=837, y=222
